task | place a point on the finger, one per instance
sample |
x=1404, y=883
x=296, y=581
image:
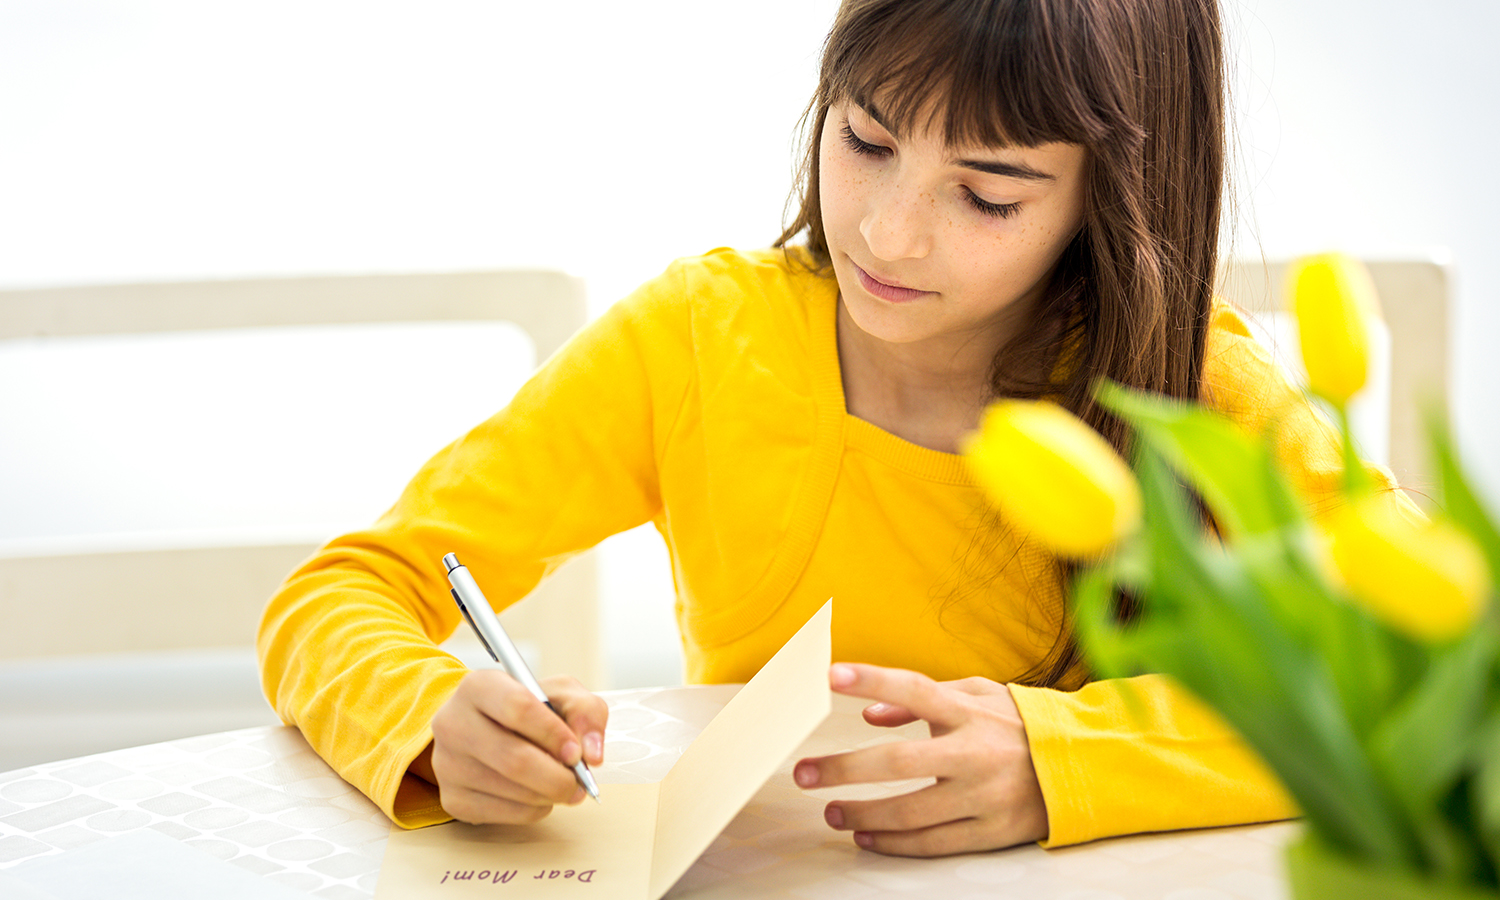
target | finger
x=586, y=714
x=962, y=836
x=478, y=808
x=470, y=772
x=502, y=726
x=887, y=715
x=472, y=750
x=504, y=700
x=995, y=817
x=898, y=761
x=913, y=811
x=925, y=698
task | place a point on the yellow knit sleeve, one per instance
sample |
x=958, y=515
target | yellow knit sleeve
x=1141, y=754
x=348, y=644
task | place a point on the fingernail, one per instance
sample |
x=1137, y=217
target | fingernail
x=594, y=747
x=840, y=675
x=577, y=797
x=864, y=839
x=569, y=752
x=834, y=816
x=806, y=774
x=878, y=709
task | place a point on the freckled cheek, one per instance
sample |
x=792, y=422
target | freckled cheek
x=983, y=251
x=834, y=188
x=1007, y=262
x=843, y=192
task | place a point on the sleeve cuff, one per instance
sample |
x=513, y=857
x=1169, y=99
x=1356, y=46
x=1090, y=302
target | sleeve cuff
x=414, y=802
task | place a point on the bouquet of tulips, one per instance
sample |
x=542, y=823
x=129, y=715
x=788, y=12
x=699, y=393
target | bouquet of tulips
x=1359, y=655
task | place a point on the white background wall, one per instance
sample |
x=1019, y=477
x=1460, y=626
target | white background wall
x=174, y=139
x=1371, y=127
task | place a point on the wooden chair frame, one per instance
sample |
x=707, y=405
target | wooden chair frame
x=1415, y=302
x=68, y=601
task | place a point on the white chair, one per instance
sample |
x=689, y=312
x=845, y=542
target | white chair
x=1415, y=304
x=118, y=609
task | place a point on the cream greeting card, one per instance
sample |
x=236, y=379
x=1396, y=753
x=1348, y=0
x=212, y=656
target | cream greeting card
x=642, y=837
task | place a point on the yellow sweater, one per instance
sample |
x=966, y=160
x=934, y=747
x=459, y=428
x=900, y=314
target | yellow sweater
x=709, y=402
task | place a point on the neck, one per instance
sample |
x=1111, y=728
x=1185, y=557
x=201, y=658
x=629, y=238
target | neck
x=930, y=392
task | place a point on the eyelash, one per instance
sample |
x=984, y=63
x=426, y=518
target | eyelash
x=865, y=148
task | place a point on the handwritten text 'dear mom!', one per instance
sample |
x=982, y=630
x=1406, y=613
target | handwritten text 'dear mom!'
x=503, y=876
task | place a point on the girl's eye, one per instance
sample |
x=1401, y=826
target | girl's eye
x=998, y=210
x=864, y=148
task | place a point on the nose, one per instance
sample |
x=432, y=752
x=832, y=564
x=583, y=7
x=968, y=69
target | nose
x=897, y=223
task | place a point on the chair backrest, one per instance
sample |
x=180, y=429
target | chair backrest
x=182, y=594
x=1414, y=299
x=548, y=306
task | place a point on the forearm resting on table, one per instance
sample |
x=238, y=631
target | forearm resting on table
x=353, y=666
x=1111, y=764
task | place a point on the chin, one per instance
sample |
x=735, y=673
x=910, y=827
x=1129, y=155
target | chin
x=894, y=323
x=889, y=322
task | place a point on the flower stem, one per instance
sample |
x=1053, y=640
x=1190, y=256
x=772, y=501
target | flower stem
x=1356, y=479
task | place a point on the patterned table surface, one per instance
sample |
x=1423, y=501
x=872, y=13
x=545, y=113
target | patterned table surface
x=261, y=799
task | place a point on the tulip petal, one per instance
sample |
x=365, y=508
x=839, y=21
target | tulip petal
x=1426, y=580
x=1054, y=477
x=1334, y=302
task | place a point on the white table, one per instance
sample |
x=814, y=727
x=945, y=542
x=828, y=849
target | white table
x=260, y=798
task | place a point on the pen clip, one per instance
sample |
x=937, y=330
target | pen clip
x=472, y=627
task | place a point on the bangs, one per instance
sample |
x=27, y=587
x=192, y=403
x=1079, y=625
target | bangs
x=984, y=72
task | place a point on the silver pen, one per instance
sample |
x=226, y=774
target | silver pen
x=486, y=624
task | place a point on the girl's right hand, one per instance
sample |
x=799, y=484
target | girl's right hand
x=500, y=756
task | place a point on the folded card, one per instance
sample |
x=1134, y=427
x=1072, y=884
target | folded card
x=642, y=837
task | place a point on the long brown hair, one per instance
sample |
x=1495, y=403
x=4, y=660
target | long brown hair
x=1140, y=85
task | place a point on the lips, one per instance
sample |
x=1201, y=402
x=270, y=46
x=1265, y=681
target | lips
x=892, y=293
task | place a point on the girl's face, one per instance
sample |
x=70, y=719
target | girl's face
x=930, y=240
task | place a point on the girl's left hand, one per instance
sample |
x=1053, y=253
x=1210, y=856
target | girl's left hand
x=986, y=796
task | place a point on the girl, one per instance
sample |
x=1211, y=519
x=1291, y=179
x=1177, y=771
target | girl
x=1000, y=198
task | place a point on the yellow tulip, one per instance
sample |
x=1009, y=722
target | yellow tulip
x=1054, y=476
x=1426, y=579
x=1334, y=301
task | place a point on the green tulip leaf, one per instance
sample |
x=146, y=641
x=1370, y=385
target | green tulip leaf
x=1222, y=642
x=1460, y=501
x=1423, y=746
x=1350, y=644
x=1485, y=796
x=1235, y=473
x=1108, y=647
x=1357, y=479
x=1390, y=746
x=1426, y=751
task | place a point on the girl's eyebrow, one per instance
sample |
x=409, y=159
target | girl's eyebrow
x=989, y=167
x=1009, y=170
